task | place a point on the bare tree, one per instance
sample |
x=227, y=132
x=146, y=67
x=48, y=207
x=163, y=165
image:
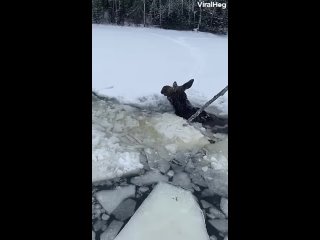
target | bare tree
x=160, y=11
x=199, y=23
x=144, y=13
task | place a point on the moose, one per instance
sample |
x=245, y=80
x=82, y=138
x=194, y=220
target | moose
x=183, y=108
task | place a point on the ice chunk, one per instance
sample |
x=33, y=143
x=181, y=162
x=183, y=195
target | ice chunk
x=174, y=129
x=219, y=162
x=163, y=166
x=213, y=237
x=220, y=147
x=195, y=187
x=215, y=213
x=205, y=204
x=149, y=178
x=143, y=189
x=224, y=206
x=220, y=224
x=125, y=209
x=170, y=173
x=110, y=199
x=93, y=235
x=100, y=225
x=111, y=231
x=171, y=148
x=207, y=193
x=217, y=182
x=169, y=213
x=197, y=179
x=105, y=217
x=182, y=179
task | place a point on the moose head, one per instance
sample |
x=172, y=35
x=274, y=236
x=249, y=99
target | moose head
x=178, y=98
x=183, y=108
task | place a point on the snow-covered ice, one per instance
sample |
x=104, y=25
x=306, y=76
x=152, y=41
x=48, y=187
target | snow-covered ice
x=110, y=199
x=169, y=213
x=133, y=64
x=112, y=230
x=123, y=135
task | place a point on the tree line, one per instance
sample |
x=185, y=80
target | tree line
x=168, y=14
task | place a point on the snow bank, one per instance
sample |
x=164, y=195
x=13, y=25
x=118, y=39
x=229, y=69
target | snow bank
x=133, y=64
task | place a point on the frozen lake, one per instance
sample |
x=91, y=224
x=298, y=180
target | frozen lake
x=144, y=157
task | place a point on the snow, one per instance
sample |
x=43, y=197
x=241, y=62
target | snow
x=111, y=231
x=110, y=199
x=149, y=178
x=169, y=213
x=133, y=64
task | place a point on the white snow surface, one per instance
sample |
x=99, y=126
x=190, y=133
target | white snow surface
x=169, y=213
x=133, y=64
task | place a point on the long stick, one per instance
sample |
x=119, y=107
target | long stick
x=222, y=92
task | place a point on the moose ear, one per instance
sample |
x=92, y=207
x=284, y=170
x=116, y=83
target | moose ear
x=175, y=85
x=188, y=84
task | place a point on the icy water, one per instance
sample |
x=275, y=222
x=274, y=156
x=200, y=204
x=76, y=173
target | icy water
x=142, y=146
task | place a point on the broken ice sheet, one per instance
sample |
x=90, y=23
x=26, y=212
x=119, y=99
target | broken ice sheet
x=169, y=213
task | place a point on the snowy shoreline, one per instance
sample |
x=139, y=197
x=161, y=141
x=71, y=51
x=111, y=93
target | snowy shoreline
x=133, y=64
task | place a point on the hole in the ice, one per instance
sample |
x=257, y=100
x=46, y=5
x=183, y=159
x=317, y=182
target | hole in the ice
x=186, y=166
